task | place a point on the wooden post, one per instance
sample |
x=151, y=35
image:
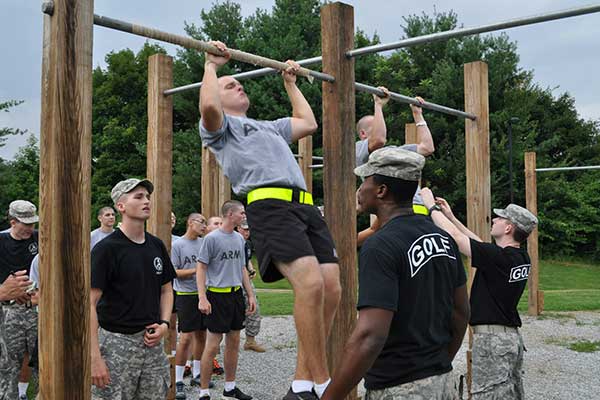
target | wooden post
x=477, y=155
x=210, y=184
x=337, y=35
x=159, y=161
x=65, y=173
x=305, y=151
x=410, y=134
x=532, y=241
x=224, y=189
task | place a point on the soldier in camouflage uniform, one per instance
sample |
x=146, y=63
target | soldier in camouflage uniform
x=502, y=271
x=412, y=300
x=131, y=302
x=18, y=247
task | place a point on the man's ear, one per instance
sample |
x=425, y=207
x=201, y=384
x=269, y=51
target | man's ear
x=382, y=191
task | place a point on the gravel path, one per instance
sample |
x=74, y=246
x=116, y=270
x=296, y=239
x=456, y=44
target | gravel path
x=552, y=371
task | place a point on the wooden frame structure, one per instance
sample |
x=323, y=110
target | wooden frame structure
x=65, y=171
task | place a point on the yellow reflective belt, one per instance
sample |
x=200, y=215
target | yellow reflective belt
x=420, y=209
x=223, y=289
x=186, y=293
x=284, y=194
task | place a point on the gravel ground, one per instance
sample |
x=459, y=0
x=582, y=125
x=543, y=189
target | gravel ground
x=552, y=371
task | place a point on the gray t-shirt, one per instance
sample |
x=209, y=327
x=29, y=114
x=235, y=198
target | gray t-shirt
x=174, y=238
x=254, y=153
x=225, y=256
x=184, y=255
x=34, y=271
x=97, y=235
x=362, y=156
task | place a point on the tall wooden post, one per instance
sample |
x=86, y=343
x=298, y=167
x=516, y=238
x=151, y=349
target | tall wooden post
x=477, y=155
x=65, y=173
x=224, y=189
x=410, y=134
x=305, y=151
x=535, y=295
x=210, y=184
x=337, y=35
x=159, y=162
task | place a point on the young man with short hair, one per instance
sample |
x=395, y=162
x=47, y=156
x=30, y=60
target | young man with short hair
x=290, y=236
x=412, y=299
x=501, y=276
x=18, y=247
x=213, y=223
x=184, y=256
x=220, y=274
x=106, y=216
x=131, y=301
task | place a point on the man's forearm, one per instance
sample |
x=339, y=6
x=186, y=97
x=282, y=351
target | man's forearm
x=94, y=326
x=459, y=327
x=246, y=283
x=201, y=279
x=378, y=134
x=300, y=107
x=166, y=301
x=185, y=273
x=461, y=227
x=210, y=99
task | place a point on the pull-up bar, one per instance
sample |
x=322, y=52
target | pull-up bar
x=512, y=23
x=567, y=168
x=199, y=45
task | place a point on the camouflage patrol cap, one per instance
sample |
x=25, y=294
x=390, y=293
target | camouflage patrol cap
x=519, y=216
x=393, y=161
x=23, y=211
x=127, y=186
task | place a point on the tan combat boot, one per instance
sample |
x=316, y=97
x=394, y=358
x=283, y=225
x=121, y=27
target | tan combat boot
x=252, y=345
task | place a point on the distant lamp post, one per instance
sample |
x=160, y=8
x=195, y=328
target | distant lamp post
x=511, y=120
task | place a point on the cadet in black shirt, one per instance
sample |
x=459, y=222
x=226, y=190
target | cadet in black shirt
x=502, y=271
x=412, y=300
x=131, y=302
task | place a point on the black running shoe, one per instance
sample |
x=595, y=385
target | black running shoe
x=236, y=393
x=180, y=391
x=300, y=396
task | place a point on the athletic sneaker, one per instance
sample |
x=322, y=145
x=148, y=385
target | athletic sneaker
x=217, y=369
x=180, y=391
x=23, y=397
x=236, y=393
x=196, y=382
x=300, y=396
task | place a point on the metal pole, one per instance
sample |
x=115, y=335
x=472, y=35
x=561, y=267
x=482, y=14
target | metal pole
x=567, y=168
x=257, y=73
x=510, y=157
x=434, y=37
x=411, y=100
x=191, y=43
x=316, y=166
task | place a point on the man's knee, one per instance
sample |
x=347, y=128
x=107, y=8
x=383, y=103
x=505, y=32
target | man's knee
x=331, y=282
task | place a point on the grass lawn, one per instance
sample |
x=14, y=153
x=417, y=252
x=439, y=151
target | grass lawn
x=567, y=287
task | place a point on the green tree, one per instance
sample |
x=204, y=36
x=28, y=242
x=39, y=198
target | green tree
x=5, y=131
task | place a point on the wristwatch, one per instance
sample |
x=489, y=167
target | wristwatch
x=433, y=208
x=162, y=321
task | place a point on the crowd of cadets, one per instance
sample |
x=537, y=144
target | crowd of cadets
x=413, y=308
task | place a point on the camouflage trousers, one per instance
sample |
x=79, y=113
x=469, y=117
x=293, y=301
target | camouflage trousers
x=137, y=372
x=19, y=335
x=497, y=366
x=252, y=321
x=437, y=387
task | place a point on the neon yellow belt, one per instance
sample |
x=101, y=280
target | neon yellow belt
x=223, y=289
x=285, y=194
x=186, y=293
x=420, y=209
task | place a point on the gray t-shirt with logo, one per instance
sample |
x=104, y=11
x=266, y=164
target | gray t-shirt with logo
x=184, y=255
x=97, y=235
x=225, y=256
x=254, y=153
x=362, y=156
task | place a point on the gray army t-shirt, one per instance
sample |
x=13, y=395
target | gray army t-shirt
x=225, y=256
x=362, y=156
x=184, y=255
x=97, y=235
x=254, y=153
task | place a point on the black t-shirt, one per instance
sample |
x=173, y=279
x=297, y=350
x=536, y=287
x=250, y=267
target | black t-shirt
x=247, y=252
x=130, y=276
x=16, y=255
x=411, y=267
x=498, y=285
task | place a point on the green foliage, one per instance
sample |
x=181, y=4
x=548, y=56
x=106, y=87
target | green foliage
x=4, y=131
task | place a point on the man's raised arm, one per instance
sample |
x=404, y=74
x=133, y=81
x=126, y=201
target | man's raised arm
x=303, y=118
x=210, y=100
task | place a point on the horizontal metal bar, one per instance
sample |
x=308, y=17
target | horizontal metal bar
x=257, y=73
x=567, y=168
x=434, y=37
x=411, y=100
x=319, y=158
x=316, y=166
x=191, y=43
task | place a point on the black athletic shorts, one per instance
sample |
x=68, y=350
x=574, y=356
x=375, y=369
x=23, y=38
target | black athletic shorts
x=189, y=318
x=174, y=311
x=285, y=231
x=228, y=311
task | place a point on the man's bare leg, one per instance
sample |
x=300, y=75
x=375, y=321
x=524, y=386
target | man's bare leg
x=231, y=354
x=213, y=340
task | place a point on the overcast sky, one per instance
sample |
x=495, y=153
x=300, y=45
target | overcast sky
x=563, y=54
